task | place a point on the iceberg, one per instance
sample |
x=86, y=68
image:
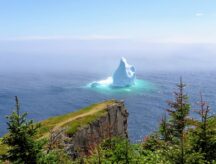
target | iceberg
x=124, y=75
x=123, y=80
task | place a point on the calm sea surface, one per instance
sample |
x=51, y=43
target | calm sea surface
x=45, y=95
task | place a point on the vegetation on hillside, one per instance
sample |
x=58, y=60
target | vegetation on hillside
x=180, y=139
x=28, y=142
x=72, y=121
x=20, y=139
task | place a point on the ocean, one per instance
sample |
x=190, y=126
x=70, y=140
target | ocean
x=44, y=95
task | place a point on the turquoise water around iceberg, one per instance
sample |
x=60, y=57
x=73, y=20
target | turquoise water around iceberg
x=139, y=87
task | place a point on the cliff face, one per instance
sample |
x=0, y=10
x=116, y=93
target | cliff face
x=84, y=140
x=78, y=133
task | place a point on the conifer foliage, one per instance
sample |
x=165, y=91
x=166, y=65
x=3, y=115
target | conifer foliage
x=178, y=112
x=23, y=148
x=173, y=129
x=203, y=139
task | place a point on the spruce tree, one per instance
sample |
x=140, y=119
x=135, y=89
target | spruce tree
x=178, y=112
x=23, y=148
x=203, y=139
x=164, y=129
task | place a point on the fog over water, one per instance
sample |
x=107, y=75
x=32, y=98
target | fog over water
x=49, y=77
x=103, y=55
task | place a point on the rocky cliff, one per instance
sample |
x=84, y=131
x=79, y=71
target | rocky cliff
x=85, y=139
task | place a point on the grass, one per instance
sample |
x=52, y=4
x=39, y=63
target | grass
x=48, y=124
x=71, y=121
x=81, y=122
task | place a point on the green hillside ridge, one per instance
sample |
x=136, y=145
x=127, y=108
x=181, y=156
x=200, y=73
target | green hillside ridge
x=74, y=120
x=71, y=121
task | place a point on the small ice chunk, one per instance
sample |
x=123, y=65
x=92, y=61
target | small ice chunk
x=105, y=82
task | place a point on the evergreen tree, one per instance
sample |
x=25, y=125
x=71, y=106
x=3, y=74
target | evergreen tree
x=203, y=139
x=179, y=111
x=23, y=148
x=164, y=129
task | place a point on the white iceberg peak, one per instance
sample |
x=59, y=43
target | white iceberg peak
x=124, y=75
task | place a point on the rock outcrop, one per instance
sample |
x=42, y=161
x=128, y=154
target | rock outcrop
x=85, y=139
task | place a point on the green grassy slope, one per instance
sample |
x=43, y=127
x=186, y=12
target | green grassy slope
x=71, y=121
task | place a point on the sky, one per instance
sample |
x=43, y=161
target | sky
x=102, y=27
x=152, y=21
